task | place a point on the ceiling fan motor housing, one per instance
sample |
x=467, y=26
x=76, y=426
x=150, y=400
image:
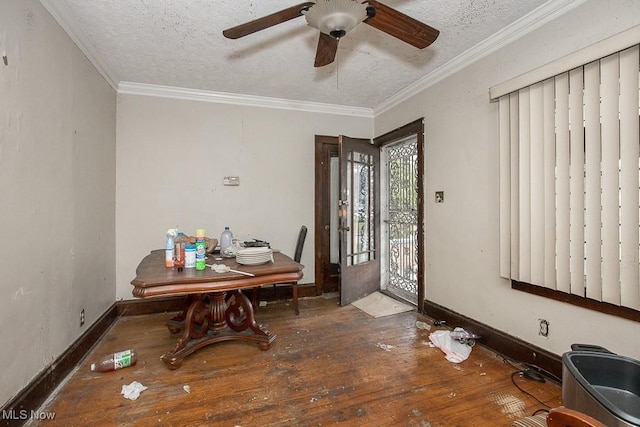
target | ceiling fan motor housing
x=336, y=17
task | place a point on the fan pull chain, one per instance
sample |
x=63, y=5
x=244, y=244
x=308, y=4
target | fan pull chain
x=337, y=68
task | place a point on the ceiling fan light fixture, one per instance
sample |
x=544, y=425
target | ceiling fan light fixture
x=336, y=17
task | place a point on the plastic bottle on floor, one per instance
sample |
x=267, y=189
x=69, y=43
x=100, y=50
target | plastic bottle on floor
x=115, y=361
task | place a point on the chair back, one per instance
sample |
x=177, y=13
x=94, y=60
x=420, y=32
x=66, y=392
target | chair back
x=302, y=235
x=565, y=417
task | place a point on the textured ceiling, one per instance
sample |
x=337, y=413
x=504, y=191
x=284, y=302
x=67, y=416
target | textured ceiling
x=180, y=44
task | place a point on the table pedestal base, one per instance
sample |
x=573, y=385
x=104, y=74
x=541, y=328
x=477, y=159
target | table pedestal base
x=212, y=318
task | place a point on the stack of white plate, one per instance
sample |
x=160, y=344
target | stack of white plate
x=254, y=256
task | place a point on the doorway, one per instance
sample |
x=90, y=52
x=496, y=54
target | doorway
x=326, y=246
x=328, y=271
x=347, y=225
x=402, y=212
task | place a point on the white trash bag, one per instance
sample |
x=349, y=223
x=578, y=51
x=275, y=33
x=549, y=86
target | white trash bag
x=454, y=350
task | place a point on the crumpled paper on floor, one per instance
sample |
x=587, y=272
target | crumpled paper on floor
x=454, y=351
x=132, y=391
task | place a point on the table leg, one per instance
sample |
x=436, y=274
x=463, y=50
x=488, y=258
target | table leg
x=212, y=318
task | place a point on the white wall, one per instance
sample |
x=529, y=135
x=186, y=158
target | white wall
x=57, y=192
x=172, y=155
x=462, y=236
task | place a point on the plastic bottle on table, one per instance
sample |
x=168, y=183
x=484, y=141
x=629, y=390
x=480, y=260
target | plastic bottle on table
x=168, y=260
x=226, y=240
x=201, y=249
x=190, y=256
x=179, y=251
x=115, y=361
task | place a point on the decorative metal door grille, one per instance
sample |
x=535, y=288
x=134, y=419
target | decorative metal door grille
x=402, y=177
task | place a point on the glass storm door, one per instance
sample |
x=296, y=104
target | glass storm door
x=359, y=211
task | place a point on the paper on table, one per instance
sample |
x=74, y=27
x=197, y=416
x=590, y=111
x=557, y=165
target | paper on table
x=222, y=268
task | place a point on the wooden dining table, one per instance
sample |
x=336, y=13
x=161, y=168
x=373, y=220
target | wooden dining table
x=215, y=308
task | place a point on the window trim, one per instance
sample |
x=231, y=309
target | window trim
x=576, y=300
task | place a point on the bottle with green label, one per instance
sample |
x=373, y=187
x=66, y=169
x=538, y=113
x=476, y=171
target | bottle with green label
x=115, y=361
x=201, y=249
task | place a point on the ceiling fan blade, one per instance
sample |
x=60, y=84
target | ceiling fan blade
x=401, y=26
x=327, y=48
x=266, y=21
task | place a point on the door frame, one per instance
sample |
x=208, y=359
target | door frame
x=414, y=128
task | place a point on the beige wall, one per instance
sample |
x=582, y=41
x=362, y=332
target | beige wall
x=462, y=236
x=57, y=192
x=75, y=225
x=172, y=155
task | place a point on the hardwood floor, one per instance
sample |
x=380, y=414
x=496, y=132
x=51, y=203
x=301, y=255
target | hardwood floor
x=330, y=365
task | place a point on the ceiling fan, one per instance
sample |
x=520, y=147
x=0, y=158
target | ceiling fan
x=335, y=18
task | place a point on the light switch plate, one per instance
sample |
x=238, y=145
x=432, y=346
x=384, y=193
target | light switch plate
x=231, y=180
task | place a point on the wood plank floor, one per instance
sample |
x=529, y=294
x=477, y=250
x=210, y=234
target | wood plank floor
x=331, y=365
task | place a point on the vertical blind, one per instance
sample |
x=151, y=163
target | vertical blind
x=570, y=181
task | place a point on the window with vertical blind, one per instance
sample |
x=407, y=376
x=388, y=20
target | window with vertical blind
x=570, y=174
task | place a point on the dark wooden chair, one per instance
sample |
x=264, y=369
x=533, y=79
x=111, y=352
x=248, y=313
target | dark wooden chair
x=559, y=417
x=565, y=417
x=297, y=256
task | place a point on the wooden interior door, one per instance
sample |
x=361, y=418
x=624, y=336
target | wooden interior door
x=359, y=222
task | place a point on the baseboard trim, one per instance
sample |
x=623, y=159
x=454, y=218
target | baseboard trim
x=38, y=390
x=511, y=347
x=34, y=394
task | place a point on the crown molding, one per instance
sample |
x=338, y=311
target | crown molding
x=62, y=15
x=537, y=18
x=540, y=16
x=64, y=18
x=131, y=88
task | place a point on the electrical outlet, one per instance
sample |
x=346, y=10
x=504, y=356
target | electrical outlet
x=82, y=317
x=544, y=328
